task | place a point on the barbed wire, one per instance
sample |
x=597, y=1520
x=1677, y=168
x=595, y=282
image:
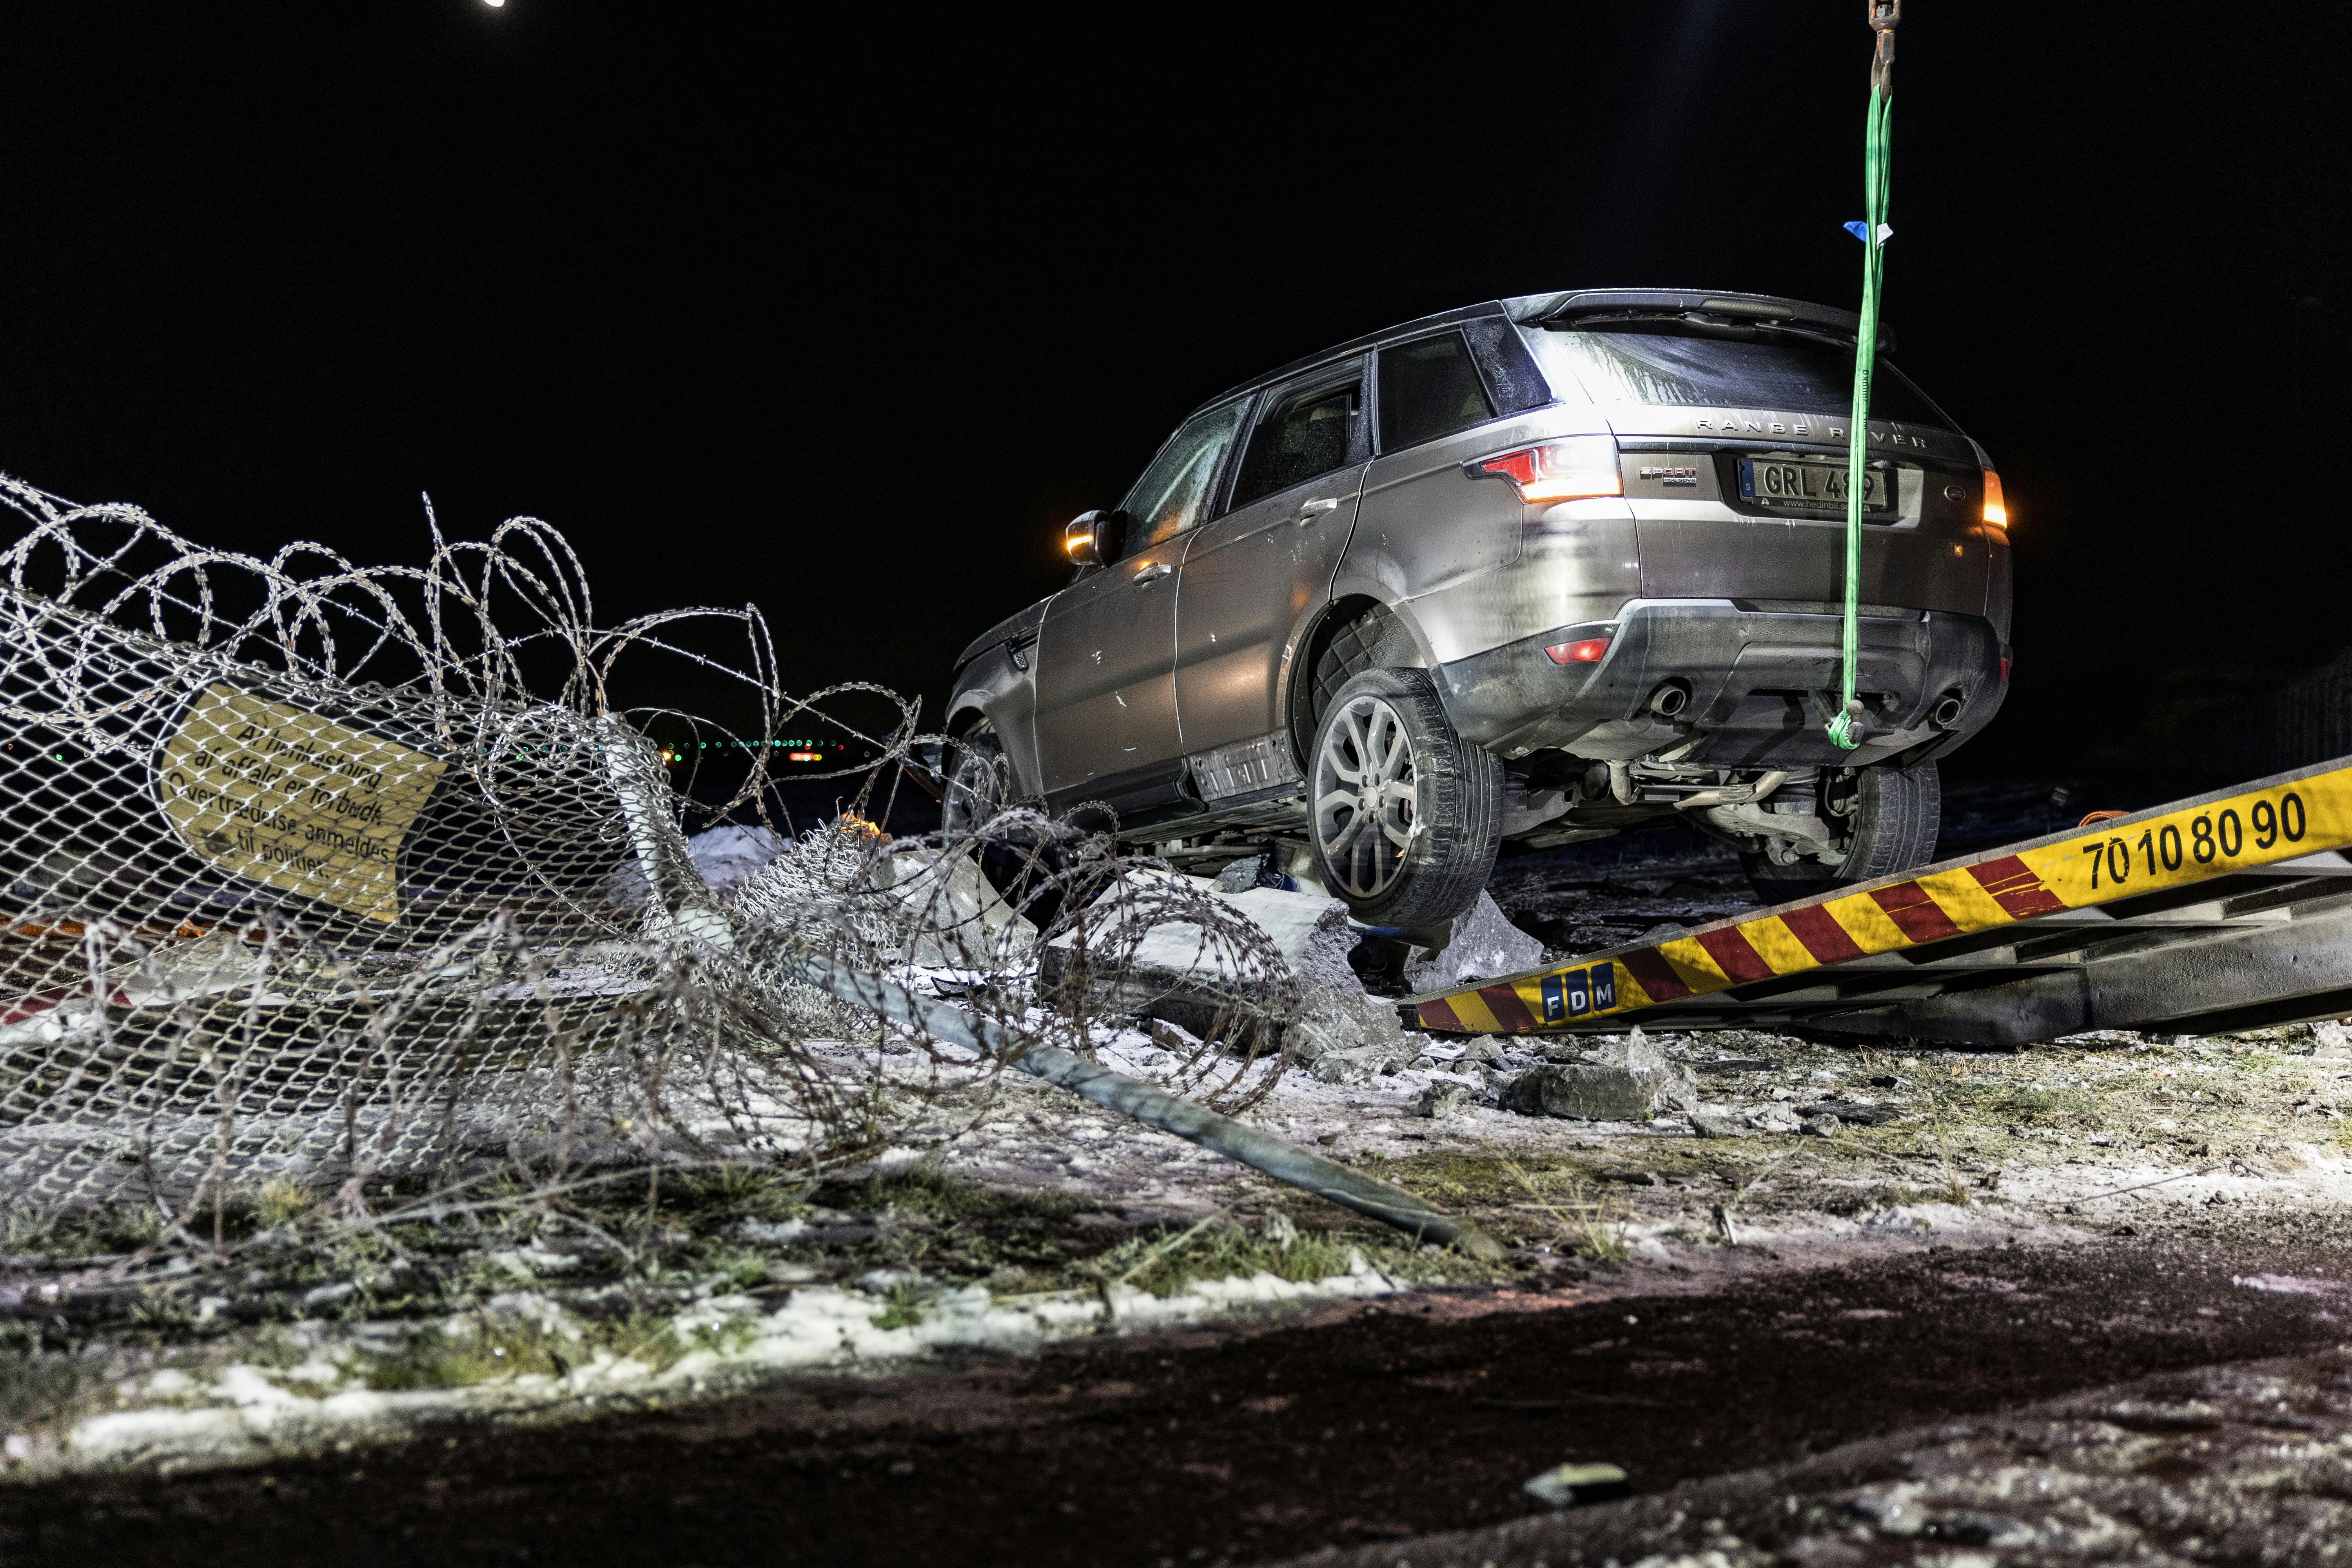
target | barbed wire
x=355, y=878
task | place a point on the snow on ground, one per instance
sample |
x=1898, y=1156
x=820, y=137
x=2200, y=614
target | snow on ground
x=1765, y=1153
x=2049, y=1145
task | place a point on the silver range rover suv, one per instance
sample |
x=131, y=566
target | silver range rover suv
x=1539, y=571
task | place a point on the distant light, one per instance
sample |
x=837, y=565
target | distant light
x=495, y=5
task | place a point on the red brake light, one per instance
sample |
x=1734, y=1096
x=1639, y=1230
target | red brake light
x=2004, y=669
x=1574, y=470
x=1588, y=651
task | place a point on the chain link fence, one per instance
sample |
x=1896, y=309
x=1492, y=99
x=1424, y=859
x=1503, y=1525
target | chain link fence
x=350, y=880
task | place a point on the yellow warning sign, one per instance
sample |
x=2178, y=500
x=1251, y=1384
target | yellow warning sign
x=284, y=797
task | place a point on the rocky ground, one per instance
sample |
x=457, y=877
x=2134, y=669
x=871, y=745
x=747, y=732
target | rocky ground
x=1049, y=1335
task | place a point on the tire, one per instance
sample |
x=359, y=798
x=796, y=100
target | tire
x=1404, y=815
x=979, y=779
x=1895, y=814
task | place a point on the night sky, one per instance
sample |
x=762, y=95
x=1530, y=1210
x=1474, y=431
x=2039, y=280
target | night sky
x=844, y=312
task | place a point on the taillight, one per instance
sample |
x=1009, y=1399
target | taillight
x=1574, y=470
x=1588, y=651
x=1996, y=510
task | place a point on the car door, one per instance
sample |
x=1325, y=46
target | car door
x=1107, y=727
x=1252, y=575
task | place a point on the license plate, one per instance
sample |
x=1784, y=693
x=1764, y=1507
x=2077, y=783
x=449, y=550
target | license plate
x=1812, y=486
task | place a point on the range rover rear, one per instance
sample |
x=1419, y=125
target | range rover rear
x=1536, y=570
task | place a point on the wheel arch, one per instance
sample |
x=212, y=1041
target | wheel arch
x=963, y=712
x=1001, y=698
x=1314, y=640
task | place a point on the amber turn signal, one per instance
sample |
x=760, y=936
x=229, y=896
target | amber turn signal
x=1996, y=510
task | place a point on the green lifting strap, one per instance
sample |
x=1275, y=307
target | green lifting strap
x=1876, y=170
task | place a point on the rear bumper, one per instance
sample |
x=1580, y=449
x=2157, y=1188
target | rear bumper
x=1762, y=684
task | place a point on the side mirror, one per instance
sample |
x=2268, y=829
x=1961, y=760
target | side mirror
x=1082, y=538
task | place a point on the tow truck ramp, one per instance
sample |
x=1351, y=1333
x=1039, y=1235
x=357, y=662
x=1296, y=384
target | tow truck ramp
x=2231, y=911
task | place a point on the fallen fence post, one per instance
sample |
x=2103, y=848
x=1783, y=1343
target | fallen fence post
x=1368, y=1196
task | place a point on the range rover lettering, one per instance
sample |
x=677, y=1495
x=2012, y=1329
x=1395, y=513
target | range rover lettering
x=1534, y=571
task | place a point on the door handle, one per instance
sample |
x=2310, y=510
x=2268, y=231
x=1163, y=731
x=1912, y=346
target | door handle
x=1153, y=573
x=1315, y=508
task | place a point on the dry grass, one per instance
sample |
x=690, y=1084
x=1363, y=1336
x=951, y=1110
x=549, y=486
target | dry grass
x=1585, y=1220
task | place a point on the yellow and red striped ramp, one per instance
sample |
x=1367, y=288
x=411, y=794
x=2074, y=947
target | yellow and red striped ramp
x=2233, y=838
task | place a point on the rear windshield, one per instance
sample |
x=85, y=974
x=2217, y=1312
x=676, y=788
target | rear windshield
x=1797, y=374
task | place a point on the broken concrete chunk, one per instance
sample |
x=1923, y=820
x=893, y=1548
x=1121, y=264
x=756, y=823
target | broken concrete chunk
x=1350, y=1067
x=1820, y=1126
x=1257, y=871
x=1240, y=874
x=1176, y=974
x=1635, y=1051
x=2331, y=1038
x=960, y=922
x=1774, y=1119
x=1459, y=1056
x=1443, y=1098
x=1626, y=1080
x=1172, y=1037
x=1709, y=1123
x=1586, y=1092
x=1484, y=944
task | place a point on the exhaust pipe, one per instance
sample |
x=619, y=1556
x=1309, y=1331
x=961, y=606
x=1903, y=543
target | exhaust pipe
x=1670, y=699
x=1946, y=712
x=1733, y=794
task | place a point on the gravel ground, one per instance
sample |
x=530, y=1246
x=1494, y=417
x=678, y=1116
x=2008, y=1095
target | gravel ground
x=1976, y=1232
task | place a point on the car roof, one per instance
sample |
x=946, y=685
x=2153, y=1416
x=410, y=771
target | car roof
x=1529, y=308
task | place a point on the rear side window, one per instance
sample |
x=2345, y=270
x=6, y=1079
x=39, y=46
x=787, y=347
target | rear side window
x=1802, y=376
x=1305, y=433
x=1512, y=378
x=1429, y=388
x=1173, y=492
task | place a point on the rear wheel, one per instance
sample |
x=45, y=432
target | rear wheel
x=1405, y=815
x=1883, y=820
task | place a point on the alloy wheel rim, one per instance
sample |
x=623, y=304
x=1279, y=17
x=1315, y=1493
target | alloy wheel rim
x=1365, y=795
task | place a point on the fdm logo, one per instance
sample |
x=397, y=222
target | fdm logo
x=1576, y=992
